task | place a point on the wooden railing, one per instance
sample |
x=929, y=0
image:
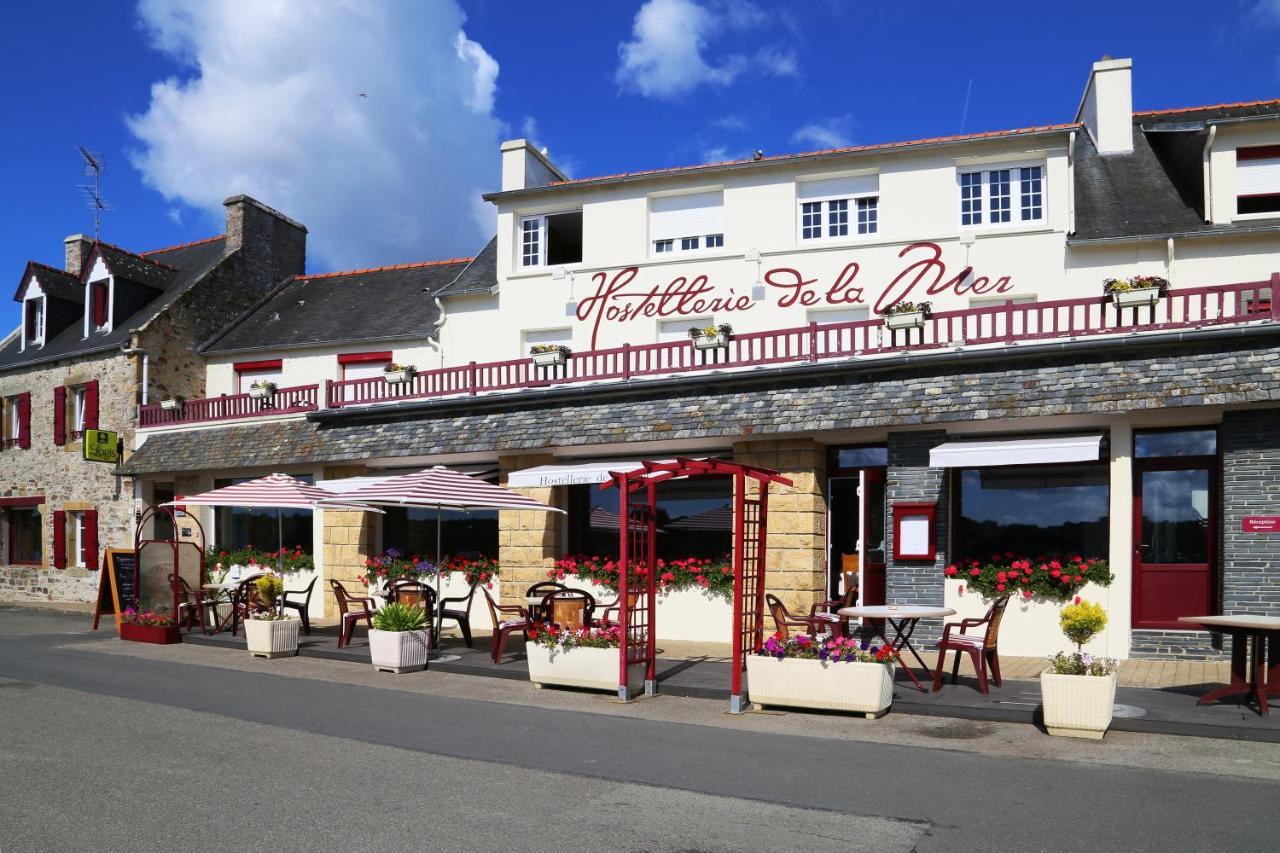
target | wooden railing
x=1005, y=323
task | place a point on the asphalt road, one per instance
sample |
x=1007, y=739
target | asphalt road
x=116, y=746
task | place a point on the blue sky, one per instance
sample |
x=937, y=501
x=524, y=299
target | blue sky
x=377, y=124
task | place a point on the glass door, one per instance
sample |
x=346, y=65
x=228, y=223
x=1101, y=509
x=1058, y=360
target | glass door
x=872, y=544
x=843, y=533
x=1174, y=541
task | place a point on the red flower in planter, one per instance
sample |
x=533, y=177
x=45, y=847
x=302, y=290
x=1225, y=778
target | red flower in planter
x=975, y=572
x=951, y=571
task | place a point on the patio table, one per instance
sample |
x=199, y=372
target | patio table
x=228, y=586
x=903, y=618
x=1259, y=678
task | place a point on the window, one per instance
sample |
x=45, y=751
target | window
x=987, y=197
x=101, y=296
x=826, y=205
x=35, y=320
x=25, y=535
x=678, y=330
x=1034, y=511
x=77, y=540
x=551, y=239
x=12, y=421
x=363, y=365
x=554, y=337
x=695, y=519
x=994, y=324
x=837, y=315
x=862, y=457
x=241, y=527
x=249, y=372
x=79, y=396
x=686, y=223
x=1258, y=180
x=462, y=534
x=1185, y=442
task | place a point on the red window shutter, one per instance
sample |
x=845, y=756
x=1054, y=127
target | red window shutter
x=91, y=404
x=60, y=415
x=24, y=420
x=100, y=294
x=59, y=540
x=91, y=539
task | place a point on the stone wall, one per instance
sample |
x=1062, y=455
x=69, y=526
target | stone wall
x=349, y=539
x=528, y=542
x=909, y=479
x=1250, y=486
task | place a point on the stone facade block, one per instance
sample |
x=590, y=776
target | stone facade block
x=909, y=479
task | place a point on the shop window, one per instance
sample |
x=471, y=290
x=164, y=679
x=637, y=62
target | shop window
x=1002, y=196
x=687, y=223
x=839, y=207
x=242, y=527
x=695, y=519
x=463, y=534
x=1258, y=180
x=862, y=457
x=1186, y=442
x=1052, y=511
x=25, y=535
x=551, y=239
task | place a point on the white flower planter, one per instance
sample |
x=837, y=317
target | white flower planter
x=171, y=404
x=399, y=651
x=907, y=320
x=396, y=377
x=1136, y=298
x=594, y=669
x=555, y=358
x=1078, y=705
x=865, y=688
x=717, y=341
x=276, y=638
x=260, y=392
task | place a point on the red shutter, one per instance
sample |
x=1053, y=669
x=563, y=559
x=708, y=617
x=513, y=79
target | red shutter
x=24, y=420
x=100, y=293
x=60, y=415
x=59, y=540
x=91, y=539
x=91, y=404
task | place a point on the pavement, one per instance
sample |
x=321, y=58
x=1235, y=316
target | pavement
x=125, y=746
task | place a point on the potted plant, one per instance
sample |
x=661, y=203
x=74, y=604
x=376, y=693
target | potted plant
x=1078, y=690
x=148, y=626
x=907, y=315
x=170, y=404
x=549, y=355
x=833, y=673
x=270, y=634
x=399, y=638
x=262, y=389
x=397, y=373
x=1136, y=290
x=711, y=337
x=582, y=657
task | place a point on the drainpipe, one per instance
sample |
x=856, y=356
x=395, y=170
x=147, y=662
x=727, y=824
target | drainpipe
x=1071, y=183
x=127, y=349
x=1168, y=261
x=434, y=342
x=1208, y=173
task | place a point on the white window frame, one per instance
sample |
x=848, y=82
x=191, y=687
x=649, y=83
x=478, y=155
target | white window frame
x=77, y=539
x=13, y=419
x=665, y=331
x=825, y=221
x=555, y=335
x=78, y=393
x=1016, y=191
x=43, y=323
x=686, y=244
x=541, y=231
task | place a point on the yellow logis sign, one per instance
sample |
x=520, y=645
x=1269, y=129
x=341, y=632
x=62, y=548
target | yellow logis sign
x=101, y=445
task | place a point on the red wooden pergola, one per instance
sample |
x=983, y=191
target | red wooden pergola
x=637, y=577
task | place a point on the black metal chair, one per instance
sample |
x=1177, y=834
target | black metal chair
x=461, y=615
x=302, y=606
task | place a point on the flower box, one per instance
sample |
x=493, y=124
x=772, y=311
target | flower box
x=272, y=638
x=399, y=651
x=171, y=404
x=594, y=669
x=396, y=377
x=1078, y=705
x=260, y=392
x=1135, y=298
x=159, y=634
x=551, y=358
x=905, y=320
x=865, y=688
x=719, y=340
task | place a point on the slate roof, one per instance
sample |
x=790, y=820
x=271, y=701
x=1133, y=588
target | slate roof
x=479, y=276
x=57, y=283
x=180, y=267
x=384, y=303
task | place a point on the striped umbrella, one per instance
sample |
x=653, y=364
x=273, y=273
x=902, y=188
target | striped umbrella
x=440, y=488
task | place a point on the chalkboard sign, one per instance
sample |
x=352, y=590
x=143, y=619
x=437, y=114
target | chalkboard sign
x=117, y=585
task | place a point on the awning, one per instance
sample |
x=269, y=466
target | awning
x=1042, y=450
x=583, y=473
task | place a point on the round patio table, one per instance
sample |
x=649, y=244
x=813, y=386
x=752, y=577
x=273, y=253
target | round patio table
x=903, y=618
x=1257, y=679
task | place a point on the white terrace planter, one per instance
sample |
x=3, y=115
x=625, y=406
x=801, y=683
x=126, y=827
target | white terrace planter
x=906, y=320
x=396, y=377
x=554, y=358
x=276, y=638
x=865, y=688
x=171, y=404
x=1078, y=705
x=259, y=392
x=594, y=669
x=717, y=341
x=399, y=651
x=1136, y=298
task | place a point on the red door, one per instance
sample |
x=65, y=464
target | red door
x=873, y=538
x=1175, y=541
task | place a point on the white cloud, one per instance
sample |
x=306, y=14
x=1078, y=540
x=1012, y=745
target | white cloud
x=670, y=40
x=730, y=122
x=371, y=123
x=828, y=133
x=1266, y=11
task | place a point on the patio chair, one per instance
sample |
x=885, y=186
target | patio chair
x=559, y=606
x=192, y=605
x=982, y=650
x=246, y=600
x=302, y=606
x=814, y=623
x=831, y=605
x=351, y=609
x=461, y=615
x=413, y=593
x=609, y=613
x=506, y=619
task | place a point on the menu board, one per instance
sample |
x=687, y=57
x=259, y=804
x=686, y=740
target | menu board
x=913, y=531
x=117, y=585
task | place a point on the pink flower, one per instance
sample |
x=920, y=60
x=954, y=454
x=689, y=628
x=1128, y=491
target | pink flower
x=1026, y=593
x=975, y=572
x=951, y=571
x=1076, y=600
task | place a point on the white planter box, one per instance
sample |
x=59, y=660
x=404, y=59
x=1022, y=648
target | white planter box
x=260, y=393
x=717, y=341
x=865, y=688
x=908, y=320
x=399, y=651
x=555, y=358
x=595, y=669
x=277, y=638
x=171, y=404
x=1136, y=298
x=1078, y=705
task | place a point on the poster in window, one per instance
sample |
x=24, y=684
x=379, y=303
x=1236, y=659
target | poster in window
x=913, y=531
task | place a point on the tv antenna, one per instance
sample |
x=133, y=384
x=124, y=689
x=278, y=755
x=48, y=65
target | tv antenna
x=94, y=167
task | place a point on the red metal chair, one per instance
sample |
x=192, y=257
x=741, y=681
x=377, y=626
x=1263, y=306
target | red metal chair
x=348, y=615
x=982, y=650
x=813, y=624
x=503, y=627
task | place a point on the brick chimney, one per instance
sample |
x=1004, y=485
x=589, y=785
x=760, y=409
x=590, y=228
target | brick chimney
x=1106, y=110
x=78, y=248
x=271, y=245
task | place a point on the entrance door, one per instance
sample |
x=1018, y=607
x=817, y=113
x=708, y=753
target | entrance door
x=873, y=538
x=855, y=535
x=1175, y=520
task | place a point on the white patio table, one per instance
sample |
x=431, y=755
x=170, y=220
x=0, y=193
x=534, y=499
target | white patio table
x=1258, y=679
x=903, y=618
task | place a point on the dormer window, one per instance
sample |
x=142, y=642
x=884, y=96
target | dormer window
x=34, y=321
x=100, y=304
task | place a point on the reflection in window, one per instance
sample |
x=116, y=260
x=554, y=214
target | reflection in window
x=862, y=457
x=243, y=527
x=1175, y=516
x=695, y=519
x=24, y=534
x=1033, y=511
x=463, y=534
x=1188, y=442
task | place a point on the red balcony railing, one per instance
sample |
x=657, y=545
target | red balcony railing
x=1004, y=323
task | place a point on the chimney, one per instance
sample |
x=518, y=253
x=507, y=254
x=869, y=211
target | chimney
x=78, y=249
x=524, y=166
x=1106, y=110
x=272, y=245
